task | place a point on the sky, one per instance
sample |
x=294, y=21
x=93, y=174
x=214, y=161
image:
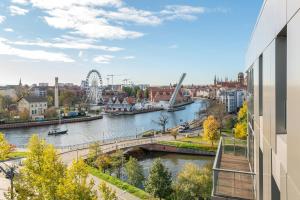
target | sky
x=146, y=41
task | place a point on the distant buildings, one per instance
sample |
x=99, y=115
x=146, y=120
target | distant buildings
x=39, y=91
x=232, y=98
x=36, y=106
x=157, y=94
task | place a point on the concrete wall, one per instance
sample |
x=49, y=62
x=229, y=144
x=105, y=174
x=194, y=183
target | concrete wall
x=280, y=152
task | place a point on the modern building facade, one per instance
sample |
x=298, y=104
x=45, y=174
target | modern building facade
x=273, y=76
x=273, y=67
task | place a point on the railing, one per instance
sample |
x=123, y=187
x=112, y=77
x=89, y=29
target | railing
x=114, y=146
x=230, y=178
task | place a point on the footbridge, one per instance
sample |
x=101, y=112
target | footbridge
x=74, y=152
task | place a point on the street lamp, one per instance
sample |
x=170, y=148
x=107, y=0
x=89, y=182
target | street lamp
x=9, y=174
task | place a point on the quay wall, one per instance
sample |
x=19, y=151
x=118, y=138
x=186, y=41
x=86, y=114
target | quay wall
x=49, y=122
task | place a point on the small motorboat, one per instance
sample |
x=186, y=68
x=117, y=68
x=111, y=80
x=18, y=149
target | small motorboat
x=57, y=131
x=173, y=109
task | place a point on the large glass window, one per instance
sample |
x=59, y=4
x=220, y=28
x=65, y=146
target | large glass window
x=281, y=81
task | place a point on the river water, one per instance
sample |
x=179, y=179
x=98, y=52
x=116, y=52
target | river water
x=174, y=162
x=103, y=129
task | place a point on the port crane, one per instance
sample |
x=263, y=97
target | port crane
x=112, y=79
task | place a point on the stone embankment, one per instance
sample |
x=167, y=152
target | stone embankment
x=48, y=122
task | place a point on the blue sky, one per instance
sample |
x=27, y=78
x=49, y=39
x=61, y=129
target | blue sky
x=146, y=41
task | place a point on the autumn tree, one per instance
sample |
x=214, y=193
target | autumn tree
x=240, y=130
x=134, y=172
x=94, y=152
x=24, y=114
x=193, y=182
x=106, y=192
x=174, y=133
x=103, y=162
x=5, y=147
x=75, y=185
x=159, y=182
x=41, y=174
x=217, y=109
x=51, y=113
x=210, y=128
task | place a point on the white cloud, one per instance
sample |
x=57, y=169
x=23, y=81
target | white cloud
x=15, y=10
x=173, y=46
x=130, y=14
x=89, y=26
x=103, y=59
x=128, y=57
x=67, y=44
x=21, y=2
x=2, y=19
x=8, y=30
x=6, y=49
x=184, y=12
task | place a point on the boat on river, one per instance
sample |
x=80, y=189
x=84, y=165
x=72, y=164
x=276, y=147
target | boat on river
x=57, y=131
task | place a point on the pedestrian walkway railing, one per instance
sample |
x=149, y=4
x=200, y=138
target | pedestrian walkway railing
x=231, y=179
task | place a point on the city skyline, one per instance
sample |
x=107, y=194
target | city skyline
x=137, y=39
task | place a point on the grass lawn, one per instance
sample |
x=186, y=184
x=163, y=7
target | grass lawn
x=119, y=183
x=16, y=154
x=191, y=145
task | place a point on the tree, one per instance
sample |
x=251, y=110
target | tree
x=240, y=130
x=5, y=102
x=103, y=162
x=241, y=126
x=107, y=193
x=193, y=182
x=210, y=127
x=24, y=114
x=217, y=109
x=134, y=172
x=242, y=115
x=51, y=113
x=163, y=121
x=174, y=133
x=41, y=174
x=94, y=152
x=5, y=147
x=68, y=98
x=75, y=185
x=159, y=182
x=117, y=159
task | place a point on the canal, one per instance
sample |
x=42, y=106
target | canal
x=103, y=129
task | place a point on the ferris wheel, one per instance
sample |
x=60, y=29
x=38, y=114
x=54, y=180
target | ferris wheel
x=94, y=87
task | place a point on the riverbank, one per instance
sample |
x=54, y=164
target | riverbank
x=116, y=113
x=48, y=122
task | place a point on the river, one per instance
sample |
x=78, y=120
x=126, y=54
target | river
x=103, y=129
x=174, y=162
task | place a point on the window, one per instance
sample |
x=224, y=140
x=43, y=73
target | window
x=281, y=81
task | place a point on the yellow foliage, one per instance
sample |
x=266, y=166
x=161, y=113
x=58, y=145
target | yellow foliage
x=107, y=192
x=211, y=127
x=241, y=130
x=5, y=147
x=242, y=115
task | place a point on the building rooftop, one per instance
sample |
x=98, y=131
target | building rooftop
x=33, y=99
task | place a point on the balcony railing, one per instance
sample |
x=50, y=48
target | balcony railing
x=232, y=178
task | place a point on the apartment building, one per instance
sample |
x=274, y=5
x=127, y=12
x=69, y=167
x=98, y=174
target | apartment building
x=273, y=75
